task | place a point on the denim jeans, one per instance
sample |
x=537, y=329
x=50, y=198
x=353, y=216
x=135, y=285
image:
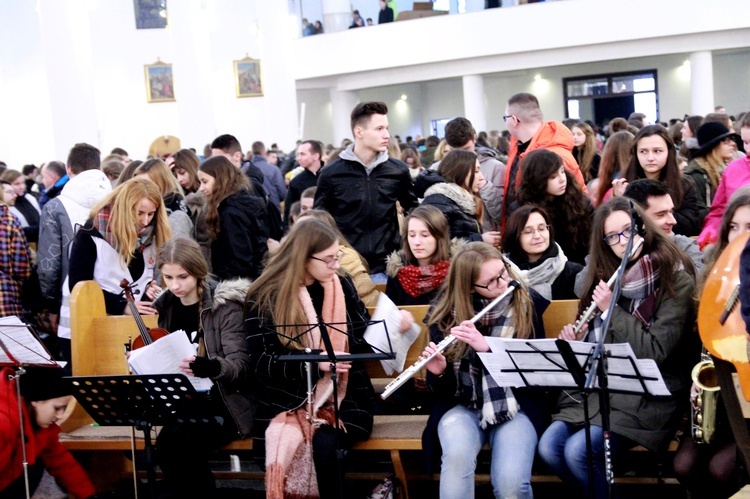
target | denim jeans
x=512, y=444
x=563, y=448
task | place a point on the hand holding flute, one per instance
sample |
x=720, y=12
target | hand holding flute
x=466, y=332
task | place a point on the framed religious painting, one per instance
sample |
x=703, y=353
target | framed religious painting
x=247, y=79
x=159, y=82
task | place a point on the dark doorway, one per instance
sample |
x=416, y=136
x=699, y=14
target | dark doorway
x=612, y=107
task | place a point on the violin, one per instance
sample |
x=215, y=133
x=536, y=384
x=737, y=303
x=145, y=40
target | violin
x=720, y=323
x=147, y=335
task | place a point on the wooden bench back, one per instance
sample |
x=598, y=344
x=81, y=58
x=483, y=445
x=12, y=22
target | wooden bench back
x=374, y=368
x=97, y=340
x=559, y=313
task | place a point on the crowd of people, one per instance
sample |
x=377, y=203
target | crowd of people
x=247, y=254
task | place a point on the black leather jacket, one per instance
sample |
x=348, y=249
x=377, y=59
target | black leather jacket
x=364, y=206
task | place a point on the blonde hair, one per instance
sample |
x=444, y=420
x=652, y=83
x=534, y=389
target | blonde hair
x=123, y=202
x=454, y=303
x=275, y=294
x=160, y=174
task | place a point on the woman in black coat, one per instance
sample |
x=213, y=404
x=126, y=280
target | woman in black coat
x=457, y=197
x=237, y=220
x=301, y=285
x=529, y=242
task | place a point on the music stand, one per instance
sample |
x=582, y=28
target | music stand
x=141, y=401
x=21, y=347
x=308, y=356
x=552, y=363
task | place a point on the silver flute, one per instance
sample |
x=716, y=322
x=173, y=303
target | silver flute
x=589, y=312
x=440, y=347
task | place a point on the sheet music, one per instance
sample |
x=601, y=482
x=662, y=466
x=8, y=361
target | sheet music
x=164, y=356
x=22, y=344
x=546, y=367
x=401, y=342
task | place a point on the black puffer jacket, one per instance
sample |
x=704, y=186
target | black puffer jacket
x=364, y=206
x=239, y=248
x=458, y=206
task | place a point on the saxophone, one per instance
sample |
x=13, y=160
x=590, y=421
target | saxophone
x=703, y=404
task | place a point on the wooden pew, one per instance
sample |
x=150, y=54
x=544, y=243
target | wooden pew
x=97, y=349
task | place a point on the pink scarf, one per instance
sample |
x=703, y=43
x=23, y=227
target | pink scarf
x=290, y=470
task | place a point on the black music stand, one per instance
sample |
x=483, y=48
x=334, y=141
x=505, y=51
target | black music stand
x=141, y=401
x=561, y=364
x=308, y=356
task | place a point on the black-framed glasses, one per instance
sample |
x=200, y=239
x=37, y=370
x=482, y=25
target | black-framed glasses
x=529, y=231
x=613, y=239
x=495, y=281
x=331, y=260
x=505, y=118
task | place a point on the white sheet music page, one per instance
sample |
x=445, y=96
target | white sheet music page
x=542, y=365
x=164, y=356
x=21, y=343
x=401, y=342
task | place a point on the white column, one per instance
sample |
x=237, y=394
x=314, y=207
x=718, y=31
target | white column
x=701, y=83
x=337, y=15
x=474, y=109
x=280, y=88
x=342, y=103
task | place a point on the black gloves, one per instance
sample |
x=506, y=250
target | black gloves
x=204, y=367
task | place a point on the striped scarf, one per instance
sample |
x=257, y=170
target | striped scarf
x=476, y=388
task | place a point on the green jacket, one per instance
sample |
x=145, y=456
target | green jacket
x=670, y=342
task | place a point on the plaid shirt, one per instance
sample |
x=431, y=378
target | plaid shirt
x=15, y=263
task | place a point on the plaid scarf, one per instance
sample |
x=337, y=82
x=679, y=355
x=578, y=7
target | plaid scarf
x=639, y=285
x=101, y=224
x=417, y=281
x=475, y=387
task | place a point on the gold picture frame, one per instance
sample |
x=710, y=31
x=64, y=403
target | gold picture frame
x=159, y=82
x=247, y=78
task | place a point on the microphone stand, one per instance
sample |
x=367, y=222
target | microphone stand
x=597, y=365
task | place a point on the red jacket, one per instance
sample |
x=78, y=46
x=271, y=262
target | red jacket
x=554, y=136
x=41, y=443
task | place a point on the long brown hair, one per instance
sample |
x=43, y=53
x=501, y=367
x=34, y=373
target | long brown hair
x=615, y=159
x=185, y=252
x=454, y=303
x=437, y=225
x=457, y=167
x=587, y=151
x=187, y=161
x=123, y=204
x=275, y=294
x=670, y=174
x=228, y=180
x=603, y=262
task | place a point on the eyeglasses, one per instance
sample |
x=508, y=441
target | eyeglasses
x=10, y=192
x=505, y=118
x=495, y=281
x=331, y=260
x=529, y=231
x=613, y=239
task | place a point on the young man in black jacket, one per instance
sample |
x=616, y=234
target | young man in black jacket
x=361, y=188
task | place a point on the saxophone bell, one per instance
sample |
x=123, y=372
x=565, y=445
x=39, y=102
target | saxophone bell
x=703, y=408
